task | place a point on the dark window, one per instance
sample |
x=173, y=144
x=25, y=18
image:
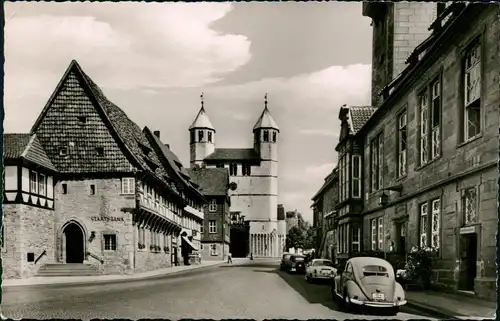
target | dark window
x=63, y=151
x=246, y=170
x=99, y=151
x=402, y=135
x=200, y=135
x=266, y=135
x=233, y=169
x=209, y=137
x=192, y=136
x=377, y=162
x=92, y=189
x=274, y=137
x=64, y=188
x=109, y=242
x=82, y=120
x=219, y=166
x=31, y=257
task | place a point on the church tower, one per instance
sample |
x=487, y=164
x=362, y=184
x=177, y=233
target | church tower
x=265, y=133
x=202, y=137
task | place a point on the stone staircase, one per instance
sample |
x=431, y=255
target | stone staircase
x=69, y=269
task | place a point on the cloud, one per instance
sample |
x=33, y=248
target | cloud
x=320, y=171
x=319, y=132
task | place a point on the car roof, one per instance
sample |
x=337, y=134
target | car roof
x=316, y=260
x=366, y=260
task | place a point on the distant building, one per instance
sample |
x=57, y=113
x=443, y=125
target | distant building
x=215, y=234
x=255, y=174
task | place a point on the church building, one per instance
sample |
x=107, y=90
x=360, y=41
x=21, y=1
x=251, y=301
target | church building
x=255, y=174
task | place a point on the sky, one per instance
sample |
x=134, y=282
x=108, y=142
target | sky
x=155, y=59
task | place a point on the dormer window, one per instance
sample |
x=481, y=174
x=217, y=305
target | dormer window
x=99, y=151
x=200, y=135
x=63, y=151
x=266, y=136
x=82, y=120
x=274, y=137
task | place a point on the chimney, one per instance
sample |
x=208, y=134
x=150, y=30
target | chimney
x=157, y=133
x=168, y=145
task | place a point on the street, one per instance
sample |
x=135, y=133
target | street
x=256, y=291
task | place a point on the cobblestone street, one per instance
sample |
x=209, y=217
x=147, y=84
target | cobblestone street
x=255, y=291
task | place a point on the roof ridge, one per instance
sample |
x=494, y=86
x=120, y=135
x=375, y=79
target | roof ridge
x=28, y=146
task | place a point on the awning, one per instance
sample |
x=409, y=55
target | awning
x=185, y=239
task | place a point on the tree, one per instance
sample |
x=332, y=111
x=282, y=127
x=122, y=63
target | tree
x=295, y=238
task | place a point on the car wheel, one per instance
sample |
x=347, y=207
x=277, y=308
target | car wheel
x=346, y=302
x=394, y=311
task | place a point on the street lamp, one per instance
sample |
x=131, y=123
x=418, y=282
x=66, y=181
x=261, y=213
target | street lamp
x=384, y=198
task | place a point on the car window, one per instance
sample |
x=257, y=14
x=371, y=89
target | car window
x=375, y=270
x=348, y=268
x=299, y=258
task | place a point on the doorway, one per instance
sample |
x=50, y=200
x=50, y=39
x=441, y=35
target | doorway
x=468, y=258
x=75, y=247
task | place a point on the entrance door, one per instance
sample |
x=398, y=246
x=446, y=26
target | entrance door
x=74, y=243
x=468, y=258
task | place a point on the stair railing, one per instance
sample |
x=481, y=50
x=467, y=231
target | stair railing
x=95, y=257
x=40, y=256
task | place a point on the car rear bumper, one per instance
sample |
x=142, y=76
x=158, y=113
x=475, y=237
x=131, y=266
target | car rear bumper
x=378, y=304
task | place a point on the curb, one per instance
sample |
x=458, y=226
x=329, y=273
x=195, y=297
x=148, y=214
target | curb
x=131, y=278
x=437, y=312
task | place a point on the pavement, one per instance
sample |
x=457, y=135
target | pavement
x=451, y=306
x=251, y=290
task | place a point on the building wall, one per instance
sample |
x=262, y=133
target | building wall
x=441, y=177
x=79, y=206
x=222, y=250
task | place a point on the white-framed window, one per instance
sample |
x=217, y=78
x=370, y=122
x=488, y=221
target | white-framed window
x=470, y=206
x=435, y=119
x=109, y=242
x=380, y=233
x=402, y=136
x=472, y=92
x=377, y=233
x=33, y=182
x=344, y=176
x=356, y=237
x=373, y=224
x=436, y=223
x=423, y=225
x=212, y=226
x=128, y=185
x=42, y=184
x=212, y=206
x=424, y=132
x=213, y=249
x=377, y=162
x=356, y=176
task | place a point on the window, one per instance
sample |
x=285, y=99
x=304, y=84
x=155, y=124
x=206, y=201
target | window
x=64, y=188
x=33, y=182
x=193, y=137
x=356, y=176
x=42, y=183
x=99, y=151
x=213, y=249
x=82, y=120
x=128, y=185
x=141, y=237
x=402, y=134
x=429, y=227
x=246, y=170
x=377, y=162
x=470, y=206
x=200, y=135
x=274, y=137
x=212, y=226
x=266, y=136
x=109, y=242
x=356, y=236
x=92, y=189
x=472, y=92
x=212, y=207
x=201, y=228
x=233, y=169
x=430, y=140
x=209, y=137
x=377, y=233
x=219, y=166
x=423, y=225
x=63, y=151
x=344, y=177
x=435, y=225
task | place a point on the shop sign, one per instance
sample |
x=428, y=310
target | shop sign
x=106, y=219
x=468, y=230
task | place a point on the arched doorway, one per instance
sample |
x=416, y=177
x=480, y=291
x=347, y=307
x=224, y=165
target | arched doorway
x=75, y=247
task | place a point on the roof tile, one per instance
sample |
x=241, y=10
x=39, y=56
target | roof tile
x=212, y=181
x=359, y=115
x=26, y=146
x=234, y=154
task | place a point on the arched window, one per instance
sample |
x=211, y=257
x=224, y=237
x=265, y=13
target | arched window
x=200, y=135
x=266, y=136
x=209, y=136
x=274, y=137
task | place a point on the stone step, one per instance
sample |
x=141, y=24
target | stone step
x=74, y=269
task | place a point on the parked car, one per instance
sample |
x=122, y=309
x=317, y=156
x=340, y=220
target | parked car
x=320, y=269
x=368, y=281
x=298, y=264
x=285, y=261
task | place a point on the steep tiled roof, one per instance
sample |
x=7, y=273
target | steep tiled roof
x=173, y=161
x=212, y=181
x=358, y=116
x=266, y=121
x=202, y=120
x=26, y=146
x=234, y=154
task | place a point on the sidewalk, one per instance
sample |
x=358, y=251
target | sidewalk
x=104, y=278
x=451, y=306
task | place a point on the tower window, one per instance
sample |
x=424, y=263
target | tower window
x=209, y=137
x=246, y=170
x=92, y=189
x=192, y=137
x=274, y=137
x=219, y=166
x=233, y=169
x=200, y=135
x=266, y=136
x=65, y=188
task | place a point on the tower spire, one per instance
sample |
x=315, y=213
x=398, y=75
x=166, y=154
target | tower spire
x=202, y=102
x=265, y=101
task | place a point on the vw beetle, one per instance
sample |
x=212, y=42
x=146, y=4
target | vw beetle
x=369, y=282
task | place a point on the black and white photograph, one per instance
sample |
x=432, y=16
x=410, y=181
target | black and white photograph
x=250, y=160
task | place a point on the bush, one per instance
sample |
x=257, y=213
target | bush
x=418, y=268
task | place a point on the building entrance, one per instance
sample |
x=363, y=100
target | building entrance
x=74, y=238
x=468, y=258
x=239, y=237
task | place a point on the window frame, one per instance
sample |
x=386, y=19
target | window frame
x=128, y=185
x=212, y=205
x=377, y=233
x=233, y=169
x=209, y=136
x=377, y=162
x=356, y=230
x=465, y=221
x=42, y=182
x=265, y=136
x=275, y=136
x=33, y=183
x=477, y=42
x=429, y=233
x=113, y=236
x=433, y=145
x=356, y=178
x=213, y=250
x=200, y=135
x=402, y=153
x=212, y=228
